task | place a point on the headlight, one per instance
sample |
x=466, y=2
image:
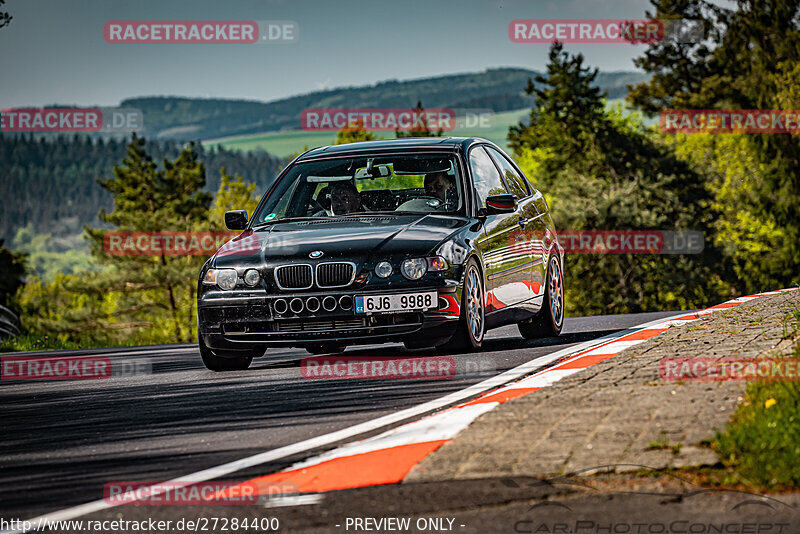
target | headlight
x=211, y=277
x=224, y=278
x=251, y=277
x=414, y=268
x=437, y=263
x=383, y=269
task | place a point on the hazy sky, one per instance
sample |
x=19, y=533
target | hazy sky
x=54, y=52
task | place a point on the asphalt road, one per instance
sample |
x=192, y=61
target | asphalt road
x=63, y=440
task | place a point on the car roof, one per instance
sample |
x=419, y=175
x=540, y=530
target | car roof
x=381, y=145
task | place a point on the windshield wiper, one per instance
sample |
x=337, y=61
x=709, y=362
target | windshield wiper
x=282, y=220
x=378, y=212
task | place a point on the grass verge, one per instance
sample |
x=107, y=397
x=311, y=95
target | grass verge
x=760, y=448
x=36, y=342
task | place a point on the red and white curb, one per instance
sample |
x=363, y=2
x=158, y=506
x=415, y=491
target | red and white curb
x=388, y=457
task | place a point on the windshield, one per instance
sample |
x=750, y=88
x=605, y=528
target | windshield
x=394, y=183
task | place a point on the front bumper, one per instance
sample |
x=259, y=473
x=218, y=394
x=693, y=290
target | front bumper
x=233, y=320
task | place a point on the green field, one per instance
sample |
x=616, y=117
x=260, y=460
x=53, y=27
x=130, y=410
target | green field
x=285, y=143
x=290, y=142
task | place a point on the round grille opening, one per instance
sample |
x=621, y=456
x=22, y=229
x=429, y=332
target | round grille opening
x=443, y=304
x=346, y=302
x=296, y=305
x=280, y=306
x=329, y=303
x=312, y=304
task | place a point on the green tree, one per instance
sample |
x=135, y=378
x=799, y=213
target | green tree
x=353, y=133
x=422, y=130
x=291, y=157
x=125, y=300
x=47, y=256
x=603, y=171
x=155, y=290
x=12, y=265
x=748, y=60
x=233, y=194
x=745, y=239
x=5, y=17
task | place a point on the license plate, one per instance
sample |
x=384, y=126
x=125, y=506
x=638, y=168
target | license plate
x=396, y=303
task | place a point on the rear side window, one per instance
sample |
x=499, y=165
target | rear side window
x=484, y=176
x=517, y=185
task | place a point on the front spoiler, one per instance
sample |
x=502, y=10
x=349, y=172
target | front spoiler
x=240, y=322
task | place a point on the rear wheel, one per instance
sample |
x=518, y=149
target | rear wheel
x=550, y=319
x=216, y=360
x=471, y=323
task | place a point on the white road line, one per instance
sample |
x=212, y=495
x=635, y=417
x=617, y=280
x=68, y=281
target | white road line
x=345, y=433
x=441, y=426
x=294, y=500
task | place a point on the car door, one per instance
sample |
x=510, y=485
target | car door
x=532, y=224
x=506, y=265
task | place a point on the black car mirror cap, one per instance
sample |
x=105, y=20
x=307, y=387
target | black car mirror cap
x=505, y=203
x=236, y=219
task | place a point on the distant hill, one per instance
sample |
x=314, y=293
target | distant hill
x=496, y=89
x=50, y=183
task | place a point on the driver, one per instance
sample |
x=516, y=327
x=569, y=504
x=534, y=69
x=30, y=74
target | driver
x=345, y=199
x=437, y=187
x=437, y=184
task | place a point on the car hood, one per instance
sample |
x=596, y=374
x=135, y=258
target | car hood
x=352, y=238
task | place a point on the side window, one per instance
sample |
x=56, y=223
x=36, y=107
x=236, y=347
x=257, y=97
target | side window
x=517, y=185
x=485, y=177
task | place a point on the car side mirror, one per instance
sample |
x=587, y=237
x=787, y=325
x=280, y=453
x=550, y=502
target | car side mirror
x=236, y=219
x=505, y=203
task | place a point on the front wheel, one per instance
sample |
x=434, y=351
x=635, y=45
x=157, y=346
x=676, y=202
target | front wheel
x=550, y=319
x=472, y=320
x=218, y=361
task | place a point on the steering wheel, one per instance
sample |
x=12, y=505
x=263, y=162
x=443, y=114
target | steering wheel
x=432, y=202
x=315, y=209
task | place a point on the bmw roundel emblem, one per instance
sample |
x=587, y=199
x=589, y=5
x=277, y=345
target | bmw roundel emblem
x=316, y=254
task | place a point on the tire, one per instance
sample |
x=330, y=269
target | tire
x=472, y=321
x=550, y=319
x=326, y=348
x=218, y=361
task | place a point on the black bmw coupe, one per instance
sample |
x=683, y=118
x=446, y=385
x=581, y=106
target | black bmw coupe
x=425, y=241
